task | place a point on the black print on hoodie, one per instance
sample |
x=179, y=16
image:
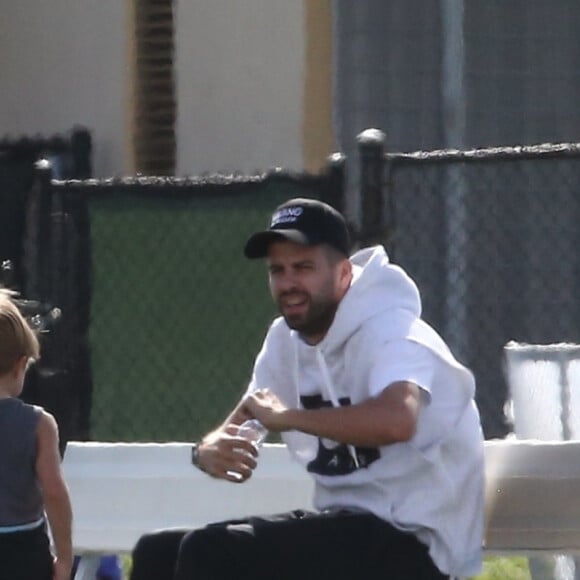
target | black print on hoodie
x=335, y=458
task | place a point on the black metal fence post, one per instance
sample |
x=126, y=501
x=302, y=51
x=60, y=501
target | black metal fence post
x=334, y=192
x=36, y=249
x=371, y=146
x=81, y=153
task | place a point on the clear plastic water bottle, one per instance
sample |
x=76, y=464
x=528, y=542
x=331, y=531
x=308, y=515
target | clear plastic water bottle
x=253, y=431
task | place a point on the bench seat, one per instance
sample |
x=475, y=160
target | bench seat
x=120, y=491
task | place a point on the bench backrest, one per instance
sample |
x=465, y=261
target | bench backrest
x=121, y=491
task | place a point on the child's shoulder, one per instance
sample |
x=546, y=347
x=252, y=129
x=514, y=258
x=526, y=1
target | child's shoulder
x=15, y=404
x=39, y=414
x=19, y=415
x=31, y=408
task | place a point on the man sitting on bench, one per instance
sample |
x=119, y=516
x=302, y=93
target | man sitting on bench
x=369, y=399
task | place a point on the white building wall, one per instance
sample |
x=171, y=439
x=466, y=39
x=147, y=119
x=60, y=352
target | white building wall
x=63, y=63
x=240, y=70
x=240, y=74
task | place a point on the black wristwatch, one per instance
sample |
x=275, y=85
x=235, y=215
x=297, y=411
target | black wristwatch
x=195, y=456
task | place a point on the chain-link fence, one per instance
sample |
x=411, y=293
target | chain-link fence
x=177, y=314
x=150, y=277
x=162, y=316
x=491, y=237
x=25, y=250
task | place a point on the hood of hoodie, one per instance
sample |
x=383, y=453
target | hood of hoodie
x=384, y=303
x=383, y=296
x=377, y=287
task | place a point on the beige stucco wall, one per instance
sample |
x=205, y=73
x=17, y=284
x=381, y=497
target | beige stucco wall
x=251, y=88
x=63, y=63
x=240, y=74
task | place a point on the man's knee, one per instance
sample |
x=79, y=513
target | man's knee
x=213, y=551
x=145, y=546
x=155, y=554
x=198, y=546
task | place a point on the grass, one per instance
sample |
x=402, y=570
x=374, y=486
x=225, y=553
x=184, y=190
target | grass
x=126, y=564
x=177, y=314
x=494, y=568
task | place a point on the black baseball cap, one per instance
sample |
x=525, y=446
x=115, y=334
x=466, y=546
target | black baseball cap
x=304, y=221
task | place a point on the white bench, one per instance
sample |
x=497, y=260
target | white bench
x=122, y=490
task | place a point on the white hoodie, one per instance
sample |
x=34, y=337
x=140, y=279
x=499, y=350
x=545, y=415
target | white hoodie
x=431, y=485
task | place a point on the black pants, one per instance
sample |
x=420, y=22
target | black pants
x=292, y=546
x=25, y=555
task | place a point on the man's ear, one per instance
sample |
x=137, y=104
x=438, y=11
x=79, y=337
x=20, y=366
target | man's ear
x=345, y=274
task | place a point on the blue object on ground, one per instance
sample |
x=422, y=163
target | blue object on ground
x=110, y=568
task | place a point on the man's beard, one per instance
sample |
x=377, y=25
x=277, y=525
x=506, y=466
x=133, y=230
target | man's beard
x=316, y=321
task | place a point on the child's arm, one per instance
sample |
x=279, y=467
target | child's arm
x=55, y=494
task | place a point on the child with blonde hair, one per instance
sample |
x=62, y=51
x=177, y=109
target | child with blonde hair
x=33, y=492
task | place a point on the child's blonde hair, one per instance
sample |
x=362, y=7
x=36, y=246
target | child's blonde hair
x=17, y=339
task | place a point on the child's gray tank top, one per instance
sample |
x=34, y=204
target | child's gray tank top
x=20, y=495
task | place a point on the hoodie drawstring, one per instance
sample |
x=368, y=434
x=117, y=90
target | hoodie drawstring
x=331, y=395
x=296, y=372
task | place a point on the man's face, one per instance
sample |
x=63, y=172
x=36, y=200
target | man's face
x=307, y=286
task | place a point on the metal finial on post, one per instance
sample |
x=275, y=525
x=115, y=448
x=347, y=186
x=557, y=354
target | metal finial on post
x=43, y=174
x=371, y=145
x=334, y=192
x=372, y=138
x=43, y=165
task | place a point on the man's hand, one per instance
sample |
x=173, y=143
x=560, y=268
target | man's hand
x=224, y=455
x=390, y=417
x=269, y=410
